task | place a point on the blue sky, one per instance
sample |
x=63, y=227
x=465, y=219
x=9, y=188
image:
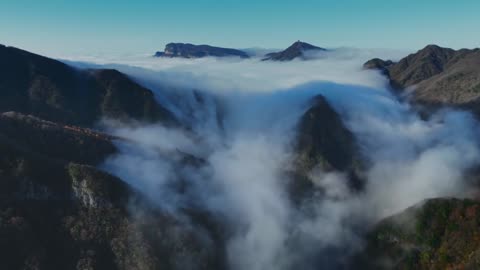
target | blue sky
x=55, y=26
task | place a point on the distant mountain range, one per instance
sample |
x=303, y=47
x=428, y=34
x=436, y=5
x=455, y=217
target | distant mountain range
x=186, y=50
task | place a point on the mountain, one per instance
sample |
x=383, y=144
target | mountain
x=52, y=90
x=296, y=50
x=323, y=141
x=57, y=209
x=435, y=234
x=323, y=138
x=437, y=76
x=186, y=50
x=57, y=214
x=60, y=210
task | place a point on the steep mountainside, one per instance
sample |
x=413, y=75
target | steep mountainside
x=58, y=212
x=437, y=75
x=49, y=89
x=436, y=234
x=296, y=50
x=323, y=141
x=186, y=50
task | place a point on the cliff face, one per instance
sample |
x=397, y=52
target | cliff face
x=186, y=50
x=49, y=89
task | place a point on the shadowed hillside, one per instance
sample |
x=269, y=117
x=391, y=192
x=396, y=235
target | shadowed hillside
x=49, y=89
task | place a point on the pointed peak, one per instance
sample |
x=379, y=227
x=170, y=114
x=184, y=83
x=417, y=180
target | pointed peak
x=295, y=50
x=434, y=48
x=303, y=45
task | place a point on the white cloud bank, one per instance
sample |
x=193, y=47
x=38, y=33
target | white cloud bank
x=259, y=104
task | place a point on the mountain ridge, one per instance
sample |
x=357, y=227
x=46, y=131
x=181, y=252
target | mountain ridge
x=188, y=50
x=436, y=76
x=52, y=90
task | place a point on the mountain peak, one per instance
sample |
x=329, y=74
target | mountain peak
x=304, y=46
x=432, y=46
x=433, y=49
x=440, y=76
x=297, y=49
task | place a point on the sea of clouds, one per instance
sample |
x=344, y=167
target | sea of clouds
x=242, y=116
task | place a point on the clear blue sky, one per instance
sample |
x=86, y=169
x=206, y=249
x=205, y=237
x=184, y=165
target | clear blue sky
x=52, y=26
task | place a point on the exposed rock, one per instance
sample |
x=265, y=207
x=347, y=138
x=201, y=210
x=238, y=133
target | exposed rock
x=51, y=90
x=186, y=50
x=296, y=50
x=435, y=234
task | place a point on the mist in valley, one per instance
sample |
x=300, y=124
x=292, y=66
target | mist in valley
x=231, y=156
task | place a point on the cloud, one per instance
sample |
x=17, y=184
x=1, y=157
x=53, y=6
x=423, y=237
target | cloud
x=242, y=130
x=253, y=75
